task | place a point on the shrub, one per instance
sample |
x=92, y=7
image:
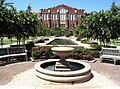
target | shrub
x=29, y=46
x=66, y=32
x=56, y=32
x=76, y=56
x=79, y=49
x=109, y=46
x=85, y=54
x=84, y=41
x=96, y=54
x=78, y=38
x=40, y=41
x=96, y=46
x=99, y=47
x=42, y=52
x=79, y=53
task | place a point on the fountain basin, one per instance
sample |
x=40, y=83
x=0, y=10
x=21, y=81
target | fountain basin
x=81, y=75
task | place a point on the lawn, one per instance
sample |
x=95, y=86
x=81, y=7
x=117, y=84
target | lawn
x=117, y=43
x=8, y=41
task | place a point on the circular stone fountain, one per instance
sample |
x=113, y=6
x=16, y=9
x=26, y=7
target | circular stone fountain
x=62, y=70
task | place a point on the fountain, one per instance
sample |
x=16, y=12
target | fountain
x=62, y=52
x=63, y=70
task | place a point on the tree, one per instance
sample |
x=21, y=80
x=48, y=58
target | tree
x=20, y=24
x=102, y=25
x=114, y=21
x=5, y=18
x=27, y=24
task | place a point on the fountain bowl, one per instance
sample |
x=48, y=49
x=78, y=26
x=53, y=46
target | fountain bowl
x=62, y=51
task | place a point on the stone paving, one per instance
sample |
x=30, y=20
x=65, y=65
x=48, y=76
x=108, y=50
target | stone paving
x=28, y=78
x=21, y=76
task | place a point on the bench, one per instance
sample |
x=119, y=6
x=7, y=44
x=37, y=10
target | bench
x=110, y=53
x=12, y=52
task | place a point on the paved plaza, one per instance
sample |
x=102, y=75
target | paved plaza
x=21, y=75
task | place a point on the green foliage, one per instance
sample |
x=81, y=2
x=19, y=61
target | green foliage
x=79, y=49
x=40, y=41
x=99, y=47
x=102, y=25
x=44, y=31
x=109, y=46
x=56, y=32
x=29, y=45
x=67, y=32
x=29, y=42
x=85, y=54
x=96, y=46
x=6, y=40
x=78, y=38
x=19, y=24
x=84, y=41
x=42, y=52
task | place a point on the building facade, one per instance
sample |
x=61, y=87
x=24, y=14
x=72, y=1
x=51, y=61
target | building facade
x=61, y=16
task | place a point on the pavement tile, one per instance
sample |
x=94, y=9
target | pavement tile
x=17, y=87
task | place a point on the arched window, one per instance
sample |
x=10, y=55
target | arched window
x=62, y=14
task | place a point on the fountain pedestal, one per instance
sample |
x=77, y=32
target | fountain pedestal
x=62, y=52
x=62, y=67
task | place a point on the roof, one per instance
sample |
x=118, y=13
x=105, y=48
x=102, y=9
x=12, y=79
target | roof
x=55, y=8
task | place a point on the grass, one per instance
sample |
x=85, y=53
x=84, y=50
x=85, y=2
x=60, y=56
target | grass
x=117, y=43
x=7, y=41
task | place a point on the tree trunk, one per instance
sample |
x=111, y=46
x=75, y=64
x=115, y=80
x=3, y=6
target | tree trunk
x=1, y=39
x=11, y=40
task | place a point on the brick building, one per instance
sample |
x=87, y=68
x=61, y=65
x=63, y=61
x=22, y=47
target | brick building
x=61, y=16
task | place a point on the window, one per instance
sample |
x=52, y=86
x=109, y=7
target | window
x=62, y=14
x=53, y=16
x=78, y=17
x=74, y=17
x=44, y=16
x=56, y=17
x=47, y=16
x=62, y=25
x=71, y=17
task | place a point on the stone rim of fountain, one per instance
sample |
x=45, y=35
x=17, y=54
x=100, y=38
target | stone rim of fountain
x=86, y=68
x=63, y=77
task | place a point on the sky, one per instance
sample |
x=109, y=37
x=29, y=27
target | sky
x=87, y=5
